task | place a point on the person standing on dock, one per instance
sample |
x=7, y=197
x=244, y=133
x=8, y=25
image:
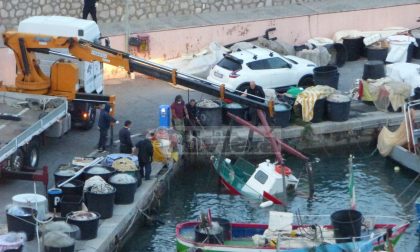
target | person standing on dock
x=104, y=123
x=193, y=118
x=256, y=93
x=179, y=113
x=89, y=7
x=126, y=146
x=144, y=149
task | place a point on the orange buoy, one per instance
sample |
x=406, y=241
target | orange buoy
x=287, y=170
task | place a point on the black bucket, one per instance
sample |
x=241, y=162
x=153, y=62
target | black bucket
x=416, y=51
x=54, y=199
x=105, y=176
x=74, y=187
x=282, y=115
x=125, y=193
x=58, y=178
x=235, y=109
x=354, y=48
x=63, y=249
x=338, y=111
x=22, y=221
x=210, y=116
x=376, y=53
x=227, y=227
x=201, y=236
x=338, y=54
x=70, y=203
x=135, y=174
x=319, y=111
x=347, y=224
x=101, y=203
x=88, y=228
x=326, y=75
x=373, y=69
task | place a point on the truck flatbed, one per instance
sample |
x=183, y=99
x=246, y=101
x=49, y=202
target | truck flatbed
x=23, y=116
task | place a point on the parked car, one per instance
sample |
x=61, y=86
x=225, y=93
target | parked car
x=267, y=68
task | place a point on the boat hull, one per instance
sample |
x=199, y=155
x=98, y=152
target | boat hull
x=406, y=158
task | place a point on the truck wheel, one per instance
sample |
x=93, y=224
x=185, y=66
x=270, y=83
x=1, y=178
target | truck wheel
x=88, y=124
x=16, y=161
x=31, y=156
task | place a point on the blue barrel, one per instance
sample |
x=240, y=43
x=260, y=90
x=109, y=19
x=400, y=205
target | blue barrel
x=164, y=116
x=54, y=199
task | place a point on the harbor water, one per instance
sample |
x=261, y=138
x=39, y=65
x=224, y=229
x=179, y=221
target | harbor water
x=195, y=189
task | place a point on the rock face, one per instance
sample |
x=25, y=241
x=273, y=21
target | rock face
x=12, y=11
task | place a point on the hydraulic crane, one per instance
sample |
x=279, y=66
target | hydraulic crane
x=63, y=78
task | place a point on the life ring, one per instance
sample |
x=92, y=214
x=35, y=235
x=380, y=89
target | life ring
x=287, y=170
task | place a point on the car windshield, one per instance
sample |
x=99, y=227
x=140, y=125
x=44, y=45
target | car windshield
x=229, y=64
x=270, y=63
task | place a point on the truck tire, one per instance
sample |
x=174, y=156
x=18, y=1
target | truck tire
x=31, y=155
x=88, y=124
x=16, y=161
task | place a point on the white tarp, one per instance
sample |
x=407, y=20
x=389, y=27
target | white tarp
x=398, y=48
x=386, y=32
x=405, y=72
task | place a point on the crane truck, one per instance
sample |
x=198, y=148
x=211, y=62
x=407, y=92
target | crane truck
x=63, y=79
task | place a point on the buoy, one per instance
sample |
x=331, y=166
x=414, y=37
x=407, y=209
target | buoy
x=396, y=168
x=266, y=204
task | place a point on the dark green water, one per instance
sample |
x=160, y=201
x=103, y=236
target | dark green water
x=195, y=189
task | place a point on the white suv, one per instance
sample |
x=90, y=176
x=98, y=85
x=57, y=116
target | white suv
x=267, y=68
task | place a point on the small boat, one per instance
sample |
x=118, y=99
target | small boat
x=403, y=145
x=262, y=182
x=293, y=233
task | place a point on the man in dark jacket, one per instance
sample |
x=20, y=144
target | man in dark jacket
x=256, y=93
x=104, y=123
x=126, y=146
x=90, y=7
x=145, y=156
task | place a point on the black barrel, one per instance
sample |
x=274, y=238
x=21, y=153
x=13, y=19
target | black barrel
x=63, y=249
x=416, y=51
x=70, y=203
x=88, y=228
x=319, y=110
x=102, y=203
x=354, y=48
x=20, y=219
x=108, y=172
x=60, y=176
x=235, y=109
x=201, y=236
x=74, y=187
x=338, y=108
x=54, y=199
x=124, y=192
x=347, y=224
x=374, y=69
x=282, y=115
x=326, y=75
x=376, y=53
x=210, y=116
x=338, y=54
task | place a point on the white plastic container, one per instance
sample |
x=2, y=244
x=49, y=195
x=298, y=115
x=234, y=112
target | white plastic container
x=34, y=201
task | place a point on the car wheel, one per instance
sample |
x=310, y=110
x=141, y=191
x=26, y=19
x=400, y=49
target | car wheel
x=242, y=88
x=306, y=81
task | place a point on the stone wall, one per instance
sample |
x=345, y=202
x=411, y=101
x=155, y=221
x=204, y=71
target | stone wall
x=12, y=11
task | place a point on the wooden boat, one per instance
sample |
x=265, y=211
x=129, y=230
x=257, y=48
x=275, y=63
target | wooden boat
x=304, y=236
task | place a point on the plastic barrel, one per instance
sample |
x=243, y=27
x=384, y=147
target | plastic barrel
x=135, y=174
x=87, y=173
x=338, y=54
x=416, y=51
x=124, y=193
x=338, y=111
x=22, y=222
x=54, y=199
x=347, y=224
x=74, y=187
x=282, y=115
x=235, y=109
x=88, y=228
x=209, y=116
x=319, y=111
x=20, y=249
x=101, y=203
x=70, y=203
x=354, y=48
x=326, y=75
x=201, y=236
x=63, y=249
x=376, y=53
x=410, y=52
x=227, y=227
x=373, y=69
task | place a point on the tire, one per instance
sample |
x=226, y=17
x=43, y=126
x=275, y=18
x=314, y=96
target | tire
x=87, y=125
x=31, y=155
x=16, y=161
x=242, y=87
x=306, y=81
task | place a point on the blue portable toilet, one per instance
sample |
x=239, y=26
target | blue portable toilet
x=164, y=116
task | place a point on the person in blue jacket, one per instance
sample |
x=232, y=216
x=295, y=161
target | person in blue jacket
x=104, y=123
